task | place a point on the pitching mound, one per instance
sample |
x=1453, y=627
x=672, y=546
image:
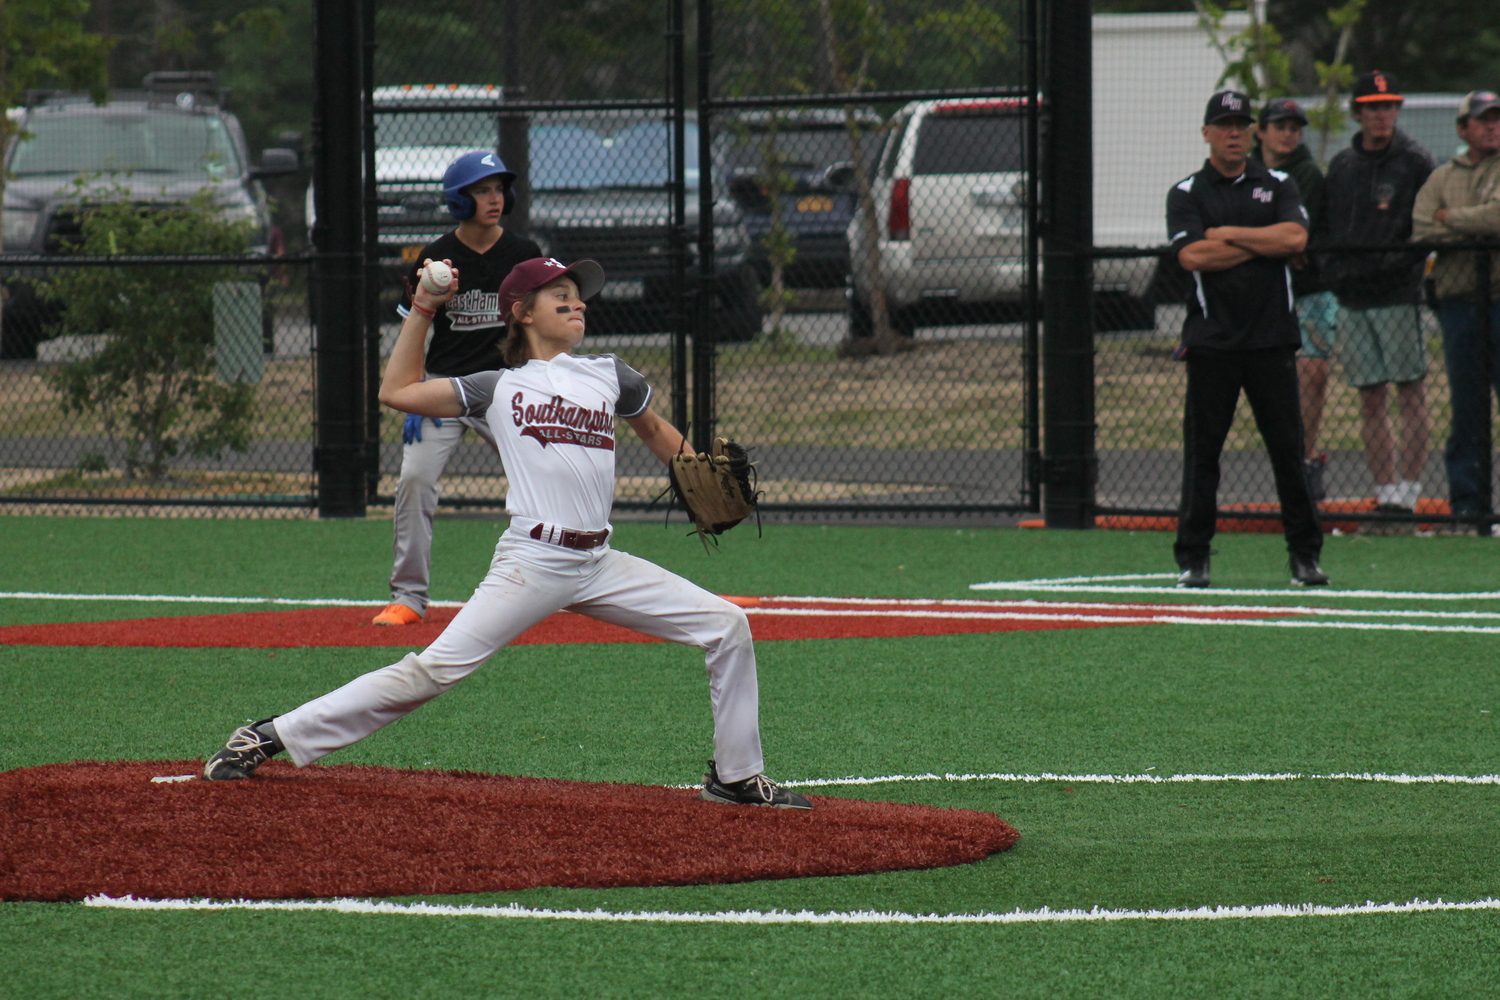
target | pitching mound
x=72, y=830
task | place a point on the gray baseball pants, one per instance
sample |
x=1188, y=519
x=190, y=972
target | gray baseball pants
x=422, y=464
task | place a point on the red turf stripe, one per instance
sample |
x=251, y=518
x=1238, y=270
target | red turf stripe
x=351, y=627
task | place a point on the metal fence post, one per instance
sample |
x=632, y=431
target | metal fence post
x=338, y=268
x=1069, y=459
x=1031, y=335
x=704, y=335
x=515, y=127
x=682, y=314
x=373, y=275
x=1483, y=360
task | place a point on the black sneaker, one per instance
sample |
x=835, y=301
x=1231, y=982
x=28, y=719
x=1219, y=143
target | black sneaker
x=1305, y=572
x=1194, y=575
x=248, y=748
x=755, y=791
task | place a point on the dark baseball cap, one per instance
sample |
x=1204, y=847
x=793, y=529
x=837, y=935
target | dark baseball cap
x=1477, y=102
x=1280, y=108
x=539, y=272
x=1228, y=104
x=1376, y=85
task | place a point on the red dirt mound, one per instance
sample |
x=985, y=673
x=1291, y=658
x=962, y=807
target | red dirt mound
x=72, y=830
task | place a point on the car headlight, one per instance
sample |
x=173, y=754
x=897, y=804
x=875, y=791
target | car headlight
x=19, y=228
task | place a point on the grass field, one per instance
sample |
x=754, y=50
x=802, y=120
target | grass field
x=1288, y=715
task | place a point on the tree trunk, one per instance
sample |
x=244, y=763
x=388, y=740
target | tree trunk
x=885, y=339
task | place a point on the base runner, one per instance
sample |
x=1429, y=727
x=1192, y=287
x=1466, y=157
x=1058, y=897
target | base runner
x=553, y=416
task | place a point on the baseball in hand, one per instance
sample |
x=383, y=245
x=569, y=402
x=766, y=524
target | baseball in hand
x=436, y=277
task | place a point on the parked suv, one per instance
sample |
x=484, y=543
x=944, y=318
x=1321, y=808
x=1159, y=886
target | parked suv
x=158, y=145
x=950, y=197
x=811, y=145
x=598, y=188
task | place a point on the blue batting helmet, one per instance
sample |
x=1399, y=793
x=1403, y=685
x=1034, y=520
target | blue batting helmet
x=468, y=169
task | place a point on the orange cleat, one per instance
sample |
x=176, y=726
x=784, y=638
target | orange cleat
x=396, y=614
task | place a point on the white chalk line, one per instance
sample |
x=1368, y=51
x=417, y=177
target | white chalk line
x=1044, y=915
x=1092, y=585
x=1151, y=779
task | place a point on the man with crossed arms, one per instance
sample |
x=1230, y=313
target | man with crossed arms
x=1233, y=224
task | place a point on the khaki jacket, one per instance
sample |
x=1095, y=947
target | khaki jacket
x=1471, y=193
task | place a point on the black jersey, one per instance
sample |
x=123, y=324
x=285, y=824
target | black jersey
x=466, y=332
x=1248, y=306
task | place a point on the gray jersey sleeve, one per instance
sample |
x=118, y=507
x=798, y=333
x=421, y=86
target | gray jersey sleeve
x=635, y=391
x=475, y=392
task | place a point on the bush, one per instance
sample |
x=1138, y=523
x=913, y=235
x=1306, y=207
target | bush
x=153, y=385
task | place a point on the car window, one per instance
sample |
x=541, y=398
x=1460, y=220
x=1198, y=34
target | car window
x=969, y=144
x=578, y=156
x=468, y=129
x=135, y=142
x=801, y=149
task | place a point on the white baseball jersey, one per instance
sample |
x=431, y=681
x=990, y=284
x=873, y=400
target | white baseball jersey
x=554, y=423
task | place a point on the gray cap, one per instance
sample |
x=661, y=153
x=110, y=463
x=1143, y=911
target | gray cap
x=1477, y=102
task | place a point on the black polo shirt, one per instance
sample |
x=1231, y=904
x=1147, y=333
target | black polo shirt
x=468, y=329
x=1249, y=306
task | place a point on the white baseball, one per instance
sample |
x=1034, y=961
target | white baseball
x=436, y=277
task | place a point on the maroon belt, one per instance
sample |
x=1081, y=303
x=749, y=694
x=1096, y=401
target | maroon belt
x=568, y=538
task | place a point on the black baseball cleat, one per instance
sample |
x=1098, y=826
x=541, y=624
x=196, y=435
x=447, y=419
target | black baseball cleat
x=248, y=748
x=1305, y=572
x=754, y=791
x=1194, y=574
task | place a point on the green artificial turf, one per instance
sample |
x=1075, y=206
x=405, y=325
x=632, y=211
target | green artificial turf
x=1217, y=699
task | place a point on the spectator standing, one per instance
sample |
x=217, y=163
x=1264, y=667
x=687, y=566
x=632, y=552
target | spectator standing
x=1279, y=146
x=1371, y=187
x=466, y=333
x=1233, y=225
x=1461, y=201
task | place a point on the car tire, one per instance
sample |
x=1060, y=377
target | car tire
x=741, y=315
x=23, y=319
x=861, y=323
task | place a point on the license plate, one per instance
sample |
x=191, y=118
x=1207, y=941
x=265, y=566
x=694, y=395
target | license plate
x=634, y=288
x=410, y=254
x=815, y=203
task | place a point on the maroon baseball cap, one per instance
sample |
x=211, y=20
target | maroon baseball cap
x=539, y=272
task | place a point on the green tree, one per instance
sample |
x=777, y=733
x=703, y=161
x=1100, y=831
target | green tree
x=43, y=44
x=1334, y=76
x=153, y=385
x=1254, y=60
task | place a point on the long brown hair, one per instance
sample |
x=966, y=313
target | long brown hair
x=515, y=348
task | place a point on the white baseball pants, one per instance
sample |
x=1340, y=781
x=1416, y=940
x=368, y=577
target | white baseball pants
x=528, y=581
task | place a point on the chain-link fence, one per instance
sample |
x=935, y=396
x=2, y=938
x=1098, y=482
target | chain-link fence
x=821, y=226
x=154, y=352
x=1393, y=401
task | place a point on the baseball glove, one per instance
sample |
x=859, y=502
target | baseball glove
x=719, y=490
